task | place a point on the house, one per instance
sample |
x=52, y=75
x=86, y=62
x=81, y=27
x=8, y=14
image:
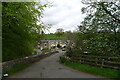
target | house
x=52, y=43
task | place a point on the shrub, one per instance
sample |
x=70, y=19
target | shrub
x=62, y=59
x=58, y=46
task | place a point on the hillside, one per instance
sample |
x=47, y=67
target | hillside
x=54, y=37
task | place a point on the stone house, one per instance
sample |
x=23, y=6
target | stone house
x=51, y=43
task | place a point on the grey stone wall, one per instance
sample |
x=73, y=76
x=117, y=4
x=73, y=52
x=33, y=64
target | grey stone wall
x=30, y=59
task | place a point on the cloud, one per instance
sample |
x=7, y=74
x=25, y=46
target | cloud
x=64, y=14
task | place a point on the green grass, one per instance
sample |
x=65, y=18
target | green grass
x=16, y=68
x=53, y=37
x=110, y=73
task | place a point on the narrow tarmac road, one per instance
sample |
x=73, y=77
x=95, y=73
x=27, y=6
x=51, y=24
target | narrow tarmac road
x=51, y=68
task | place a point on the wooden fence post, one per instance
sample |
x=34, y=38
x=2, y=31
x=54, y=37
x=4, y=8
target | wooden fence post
x=80, y=59
x=96, y=60
x=102, y=63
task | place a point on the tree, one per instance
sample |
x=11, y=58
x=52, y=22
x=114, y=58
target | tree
x=99, y=32
x=20, y=29
x=68, y=35
x=58, y=46
x=59, y=31
x=101, y=28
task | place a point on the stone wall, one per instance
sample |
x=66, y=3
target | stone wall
x=30, y=59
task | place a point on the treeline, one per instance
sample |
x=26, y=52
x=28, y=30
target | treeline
x=60, y=34
x=20, y=31
x=99, y=33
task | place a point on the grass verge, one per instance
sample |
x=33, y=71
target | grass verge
x=16, y=68
x=110, y=73
x=53, y=37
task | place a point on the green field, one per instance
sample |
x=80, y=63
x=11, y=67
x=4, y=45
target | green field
x=53, y=37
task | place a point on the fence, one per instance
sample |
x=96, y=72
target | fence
x=100, y=61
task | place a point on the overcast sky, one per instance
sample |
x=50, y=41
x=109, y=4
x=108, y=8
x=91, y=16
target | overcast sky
x=64, y=14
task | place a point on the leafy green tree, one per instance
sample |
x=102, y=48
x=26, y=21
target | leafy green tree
x=59, y=32
x=99, y=33
x=58, y=46
x=68, y=35
x=20, y=29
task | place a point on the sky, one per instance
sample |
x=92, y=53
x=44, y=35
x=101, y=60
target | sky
x=65, y=14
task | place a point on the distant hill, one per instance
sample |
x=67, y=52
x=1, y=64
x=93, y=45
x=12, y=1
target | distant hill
x=53, y=37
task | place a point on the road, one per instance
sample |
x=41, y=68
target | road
x=51, y=68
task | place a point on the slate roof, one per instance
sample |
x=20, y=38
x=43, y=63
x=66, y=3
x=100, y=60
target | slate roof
x=46, y=41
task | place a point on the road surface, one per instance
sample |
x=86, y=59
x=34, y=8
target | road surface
x=51, y=68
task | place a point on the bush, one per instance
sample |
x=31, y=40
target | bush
x=58, y=46
x=45, y=49
x=54, y=47
x=62, y=59
x=73, y=52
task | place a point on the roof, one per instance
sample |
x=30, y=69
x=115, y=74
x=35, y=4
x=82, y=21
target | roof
x=55, y=41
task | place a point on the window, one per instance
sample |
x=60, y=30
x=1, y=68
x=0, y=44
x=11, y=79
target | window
x=45, y=44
